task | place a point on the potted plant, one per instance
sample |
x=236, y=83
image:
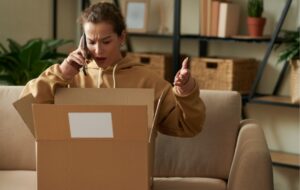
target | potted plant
x=290, y=53
x=255, y=21
x=21, y=63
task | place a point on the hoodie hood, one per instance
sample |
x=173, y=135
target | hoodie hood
x=124, y=63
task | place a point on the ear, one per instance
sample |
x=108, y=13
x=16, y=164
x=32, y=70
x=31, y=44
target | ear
x=122, y=37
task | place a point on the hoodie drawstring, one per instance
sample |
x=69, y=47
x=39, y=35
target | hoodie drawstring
x=100, y=73
x=114, y=75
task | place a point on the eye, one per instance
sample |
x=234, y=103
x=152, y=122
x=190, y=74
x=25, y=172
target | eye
x=91, y=42
x=106, y=41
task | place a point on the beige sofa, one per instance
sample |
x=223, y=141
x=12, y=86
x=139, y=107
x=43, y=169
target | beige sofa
x=228, y=154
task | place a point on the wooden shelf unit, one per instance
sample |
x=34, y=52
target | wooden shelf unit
x=274, y=100
x=285, y=159
x=206, y=38
x=278, y=158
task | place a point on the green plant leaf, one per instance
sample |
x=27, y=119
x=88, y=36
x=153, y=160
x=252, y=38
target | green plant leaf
x=7, y=79
x=3, y=49
x=13, y=45
x=8, y=62
x=53, y=44
x=21, y=63
x=50, y=46
x=255, y=8
x=30, y=53
x=41, y=66
x=291, y=42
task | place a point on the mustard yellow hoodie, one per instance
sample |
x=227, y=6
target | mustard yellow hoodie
x=179, y=115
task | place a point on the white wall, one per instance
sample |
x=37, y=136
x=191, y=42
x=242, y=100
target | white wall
x=67, y=11
x=22, y=20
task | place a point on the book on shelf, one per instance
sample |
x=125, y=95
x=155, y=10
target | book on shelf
x=215, y=6
x=229, y=14
x=203, y=17
x=209, y=17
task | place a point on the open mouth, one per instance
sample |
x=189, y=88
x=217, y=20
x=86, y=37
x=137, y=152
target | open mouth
x=100, y=59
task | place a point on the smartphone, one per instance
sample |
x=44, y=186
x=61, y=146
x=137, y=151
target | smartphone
x=86, y=53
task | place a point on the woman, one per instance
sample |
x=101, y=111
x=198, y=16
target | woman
x=182, y=111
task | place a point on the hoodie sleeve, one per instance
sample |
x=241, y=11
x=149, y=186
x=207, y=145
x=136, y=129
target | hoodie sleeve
x=182, y=116
x=43, y=87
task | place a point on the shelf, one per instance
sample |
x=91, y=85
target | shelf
x=285, y=159
x=274, y=100
x=264, y=39
x=151, y=35
x=233, y=39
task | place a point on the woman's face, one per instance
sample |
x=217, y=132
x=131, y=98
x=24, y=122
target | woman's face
x=103, y=43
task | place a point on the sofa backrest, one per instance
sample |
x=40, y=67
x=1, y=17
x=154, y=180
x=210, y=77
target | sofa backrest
x=210, y=153
x=17, y=145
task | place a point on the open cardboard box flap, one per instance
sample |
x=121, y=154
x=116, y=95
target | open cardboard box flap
x=65, y=162
x=53, y=122
x=91, y=96
x=24, y=108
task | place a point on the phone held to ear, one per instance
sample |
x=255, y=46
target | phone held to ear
x=86, y=54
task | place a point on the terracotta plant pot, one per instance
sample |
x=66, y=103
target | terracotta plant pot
x=256, y=26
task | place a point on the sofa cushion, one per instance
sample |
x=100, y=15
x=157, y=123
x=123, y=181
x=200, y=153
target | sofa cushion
x=17, y=145
x=188, y=183
x=18, y=180
x=210, y=153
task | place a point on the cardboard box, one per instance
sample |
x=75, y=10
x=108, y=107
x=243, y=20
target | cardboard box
x=74, y=152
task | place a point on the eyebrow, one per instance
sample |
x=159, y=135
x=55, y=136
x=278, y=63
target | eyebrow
x=104, y=38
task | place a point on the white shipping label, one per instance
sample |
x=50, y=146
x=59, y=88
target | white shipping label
x=90, y=124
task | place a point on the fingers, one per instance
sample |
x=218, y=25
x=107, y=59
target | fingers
x=181, y=81
x=184, y=68
x=76, y=57
x=72, y=64
x=185, y=63
x=183, y=75
x=81, y=42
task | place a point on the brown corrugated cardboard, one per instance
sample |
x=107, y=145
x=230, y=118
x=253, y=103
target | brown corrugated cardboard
x=23, y=106
x=121, y=162
x=107, y=96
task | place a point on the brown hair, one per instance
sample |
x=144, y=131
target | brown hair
x=104, y=12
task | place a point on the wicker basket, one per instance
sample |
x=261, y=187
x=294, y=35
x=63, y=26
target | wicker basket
x=160, y=63
x=224, y=74
x=295, y=81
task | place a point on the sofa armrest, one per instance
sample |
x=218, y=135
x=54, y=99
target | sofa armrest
x=251, y=167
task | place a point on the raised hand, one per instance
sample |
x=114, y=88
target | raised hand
x=72, y=64
x=183, y=81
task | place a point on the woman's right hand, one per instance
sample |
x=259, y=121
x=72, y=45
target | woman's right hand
x=72, y=64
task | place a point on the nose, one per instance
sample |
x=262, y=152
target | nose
x=98, y=49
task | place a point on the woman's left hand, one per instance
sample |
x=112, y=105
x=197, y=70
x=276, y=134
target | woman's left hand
x=183, y=81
